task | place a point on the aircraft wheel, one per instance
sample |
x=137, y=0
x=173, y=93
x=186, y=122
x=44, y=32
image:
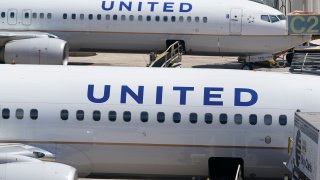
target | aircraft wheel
x=247, y=66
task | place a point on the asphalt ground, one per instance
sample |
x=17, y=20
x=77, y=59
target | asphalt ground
x=188, y=61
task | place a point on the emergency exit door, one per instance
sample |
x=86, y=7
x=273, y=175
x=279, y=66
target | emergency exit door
x=12, y=16
x=26, y=17
x=236, y=21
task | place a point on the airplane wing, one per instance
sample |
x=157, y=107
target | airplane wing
x=6, y=36
x=20, y=162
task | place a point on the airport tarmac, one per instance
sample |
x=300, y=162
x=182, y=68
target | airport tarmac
x=188, y=61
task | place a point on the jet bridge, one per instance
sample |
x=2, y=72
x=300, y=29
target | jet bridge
x=304, y=147
x=169, y=58
x=307, y=61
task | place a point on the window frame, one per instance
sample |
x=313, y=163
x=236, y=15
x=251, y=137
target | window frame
x=193, y=118
x=176, y=117
x=265, y=119
x=6, y=111
x=19, y=113
x=112, y=116
x=222, y=120
x=80, y=115
x=238, y=121
x=253, y=119
x=34, y=114
x=161, y=114
x=64, y=112
x=286, y=120
x=127, y=116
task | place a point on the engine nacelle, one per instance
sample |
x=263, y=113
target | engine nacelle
x=37, y=171
x=37, y=51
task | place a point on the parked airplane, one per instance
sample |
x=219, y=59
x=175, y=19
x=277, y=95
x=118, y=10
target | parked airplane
x=147, y=122
x=33, y=32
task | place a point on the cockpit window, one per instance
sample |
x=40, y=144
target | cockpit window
x=281, y=17
x=274, y=18
x=265, y=18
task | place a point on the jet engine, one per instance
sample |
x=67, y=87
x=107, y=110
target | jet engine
x=37, y=171
x=50, y=51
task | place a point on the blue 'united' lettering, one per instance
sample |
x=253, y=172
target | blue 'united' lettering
x=146, y=6
x=211, y=96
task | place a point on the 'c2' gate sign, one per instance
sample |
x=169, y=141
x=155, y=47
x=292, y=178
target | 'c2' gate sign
x=304, y=24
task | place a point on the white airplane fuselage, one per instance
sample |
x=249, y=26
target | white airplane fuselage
x=119, y=131
x=218, y=27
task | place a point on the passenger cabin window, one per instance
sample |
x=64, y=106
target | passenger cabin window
x=127, y=116
x=73, y=16
x=65, y=16
x=161, y=117
x=96, y=115
x=193, y=118
x=181, y=18
x=205, y=19
x=99, y=17
x=90, y=16
x=80, y=115
x=34, y=114
x=12, y=15
x=64, y=114
x=265, y=18
x=157, y=18
x=26, y=15
x=115, y=17
x=108, y=17
x=208, y=118
x=274, y=18
x=148, y=18
x=144, y=116
x=223, y=118
x=197, y=19
x=165, y=18
x=81, y=16
x=6, y=113
x=3, y=14
x=19, y=113
x=268, y=119
x=176, y=117
x=41, y=16
x=189, y=18
x=131, y=17
x=112, y=116
x=140, y=18
x=123, y=18
x=173, y=19
x=283, y=120
x=238, y=119
x=253, y=119
x=49, y=16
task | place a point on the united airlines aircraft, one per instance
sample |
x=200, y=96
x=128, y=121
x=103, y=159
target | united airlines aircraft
x=42, y=33
x=147, y=122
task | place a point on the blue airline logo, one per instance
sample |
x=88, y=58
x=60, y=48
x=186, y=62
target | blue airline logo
x=212, y=96
x=146, y=6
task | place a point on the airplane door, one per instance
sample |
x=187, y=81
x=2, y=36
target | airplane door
x=26, y=17
x=12, y=16
x=236, y=21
